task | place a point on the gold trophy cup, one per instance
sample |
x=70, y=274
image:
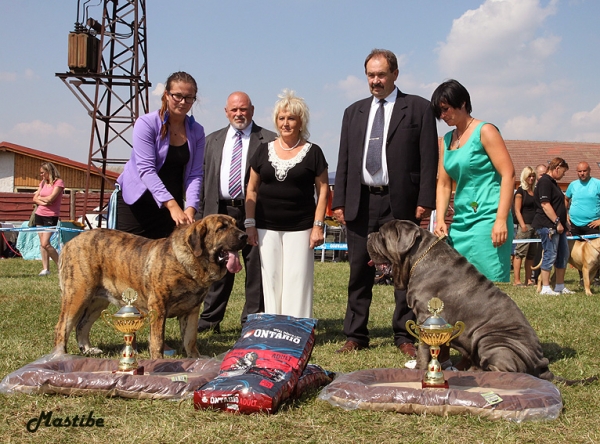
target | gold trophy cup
x=128, y=320
x=434, y=332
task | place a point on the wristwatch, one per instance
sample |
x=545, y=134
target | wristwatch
x=318, y=223
x=557, y=221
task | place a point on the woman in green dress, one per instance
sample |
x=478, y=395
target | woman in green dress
x=475, y=157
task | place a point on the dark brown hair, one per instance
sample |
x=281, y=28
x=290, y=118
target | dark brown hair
x=389, y=56
x=557, y=162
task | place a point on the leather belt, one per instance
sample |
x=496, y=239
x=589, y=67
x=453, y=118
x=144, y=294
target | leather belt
x=233, y=202
x=380, y=189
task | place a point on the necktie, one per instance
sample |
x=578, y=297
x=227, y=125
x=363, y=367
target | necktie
x=373, y=163
x=235, y=171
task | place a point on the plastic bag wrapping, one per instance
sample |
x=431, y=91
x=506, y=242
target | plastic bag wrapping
x=313, y=377
x=78, y=375
x=524, y=397
x=263, y=367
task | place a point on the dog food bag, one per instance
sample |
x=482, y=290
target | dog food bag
x=263, y=367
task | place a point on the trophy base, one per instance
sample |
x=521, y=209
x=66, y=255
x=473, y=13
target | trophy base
x=135, y=371
x=440, y=385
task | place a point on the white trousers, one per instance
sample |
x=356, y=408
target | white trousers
x=288, y=269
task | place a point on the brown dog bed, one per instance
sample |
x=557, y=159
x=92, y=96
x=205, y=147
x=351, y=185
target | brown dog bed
x=524, y=397
x=77, y=375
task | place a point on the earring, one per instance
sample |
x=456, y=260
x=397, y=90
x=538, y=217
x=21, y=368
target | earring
x=166, y=118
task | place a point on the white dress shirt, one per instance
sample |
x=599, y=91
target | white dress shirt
x=226, y=160
x=381, y=177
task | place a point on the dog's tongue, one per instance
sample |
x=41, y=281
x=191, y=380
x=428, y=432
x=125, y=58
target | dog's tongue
x=233, y=263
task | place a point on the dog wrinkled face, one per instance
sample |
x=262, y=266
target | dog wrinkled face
x=391, y=245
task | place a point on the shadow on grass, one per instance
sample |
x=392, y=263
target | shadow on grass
x=554, y=352
x=332, y=330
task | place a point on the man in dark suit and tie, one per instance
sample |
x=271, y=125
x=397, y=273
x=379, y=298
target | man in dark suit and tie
x=387, y=167
x=226, y=171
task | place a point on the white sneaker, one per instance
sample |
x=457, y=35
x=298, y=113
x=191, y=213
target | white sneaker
x=549, y=292
x=44, y=273
x=566, y=291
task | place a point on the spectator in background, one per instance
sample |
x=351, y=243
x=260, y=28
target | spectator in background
x=583, y=203
x=583, y=200
x=525, y=212
x=165, y=165
x=540, y=170
x=550, y=223
x=282, y=217
x=48, y=198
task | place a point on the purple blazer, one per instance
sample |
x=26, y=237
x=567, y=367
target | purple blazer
x=148, y=156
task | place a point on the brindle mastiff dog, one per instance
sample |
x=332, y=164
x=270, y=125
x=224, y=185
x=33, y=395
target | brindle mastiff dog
x=171, y=277
x=497, y=335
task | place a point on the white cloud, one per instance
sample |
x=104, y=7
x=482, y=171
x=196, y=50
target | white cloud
x=498, y=41
x=8, y=76
x=30, y=74
x=585, y=119
x=352, y=87
x=548, y=126
x=159, y=89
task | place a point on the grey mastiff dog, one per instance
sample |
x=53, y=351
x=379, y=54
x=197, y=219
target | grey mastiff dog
x=497, y=335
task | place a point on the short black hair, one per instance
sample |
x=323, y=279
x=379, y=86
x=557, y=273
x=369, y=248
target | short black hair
x=452, y=93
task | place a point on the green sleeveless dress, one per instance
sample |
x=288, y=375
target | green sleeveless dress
x=475, y=206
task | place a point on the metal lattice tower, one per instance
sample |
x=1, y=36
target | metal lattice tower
x=108, y=73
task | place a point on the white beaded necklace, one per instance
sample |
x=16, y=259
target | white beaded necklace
x=288, y=149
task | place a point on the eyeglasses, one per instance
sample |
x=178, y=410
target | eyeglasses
x=178, y=98
x=532, y=175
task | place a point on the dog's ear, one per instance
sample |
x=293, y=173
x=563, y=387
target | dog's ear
x=400, y=236
x=196, y=238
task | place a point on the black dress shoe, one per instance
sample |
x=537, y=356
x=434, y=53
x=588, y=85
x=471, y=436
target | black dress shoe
x=351, y=346
x=214, y=327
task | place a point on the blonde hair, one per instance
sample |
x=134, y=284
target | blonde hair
x=296, y=106
x=527, y=171
x=51, y=170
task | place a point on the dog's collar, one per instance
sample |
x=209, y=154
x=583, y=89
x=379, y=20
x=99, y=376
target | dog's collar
x=441, y=238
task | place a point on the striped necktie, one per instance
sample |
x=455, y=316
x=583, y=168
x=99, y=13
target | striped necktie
x=235, y=171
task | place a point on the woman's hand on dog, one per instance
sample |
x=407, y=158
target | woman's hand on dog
x=177, y=214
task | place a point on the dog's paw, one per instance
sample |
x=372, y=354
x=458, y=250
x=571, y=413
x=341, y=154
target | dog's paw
x=412, y=364
x=91, y=351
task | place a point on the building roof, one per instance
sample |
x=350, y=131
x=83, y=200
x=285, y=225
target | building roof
x=534, y=152
x=57, y=160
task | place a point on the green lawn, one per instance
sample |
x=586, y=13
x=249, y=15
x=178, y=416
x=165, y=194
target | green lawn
x=29, y=307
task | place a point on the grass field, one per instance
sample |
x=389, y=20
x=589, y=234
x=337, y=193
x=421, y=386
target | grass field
x=29, y=307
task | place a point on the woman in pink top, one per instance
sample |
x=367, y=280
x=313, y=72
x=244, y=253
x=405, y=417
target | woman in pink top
x=47, y=198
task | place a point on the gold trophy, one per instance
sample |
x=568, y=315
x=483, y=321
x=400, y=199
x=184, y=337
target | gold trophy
x=434, y=332
x=128, y=320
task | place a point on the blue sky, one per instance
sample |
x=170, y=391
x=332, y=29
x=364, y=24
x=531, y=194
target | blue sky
x=532, y=66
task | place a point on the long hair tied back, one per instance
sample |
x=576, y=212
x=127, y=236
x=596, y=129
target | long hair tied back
x=179, y=76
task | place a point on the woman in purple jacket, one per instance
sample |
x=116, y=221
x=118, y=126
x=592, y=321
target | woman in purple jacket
x=160, y=184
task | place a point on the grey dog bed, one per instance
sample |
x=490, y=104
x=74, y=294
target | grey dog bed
x=524, y=397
